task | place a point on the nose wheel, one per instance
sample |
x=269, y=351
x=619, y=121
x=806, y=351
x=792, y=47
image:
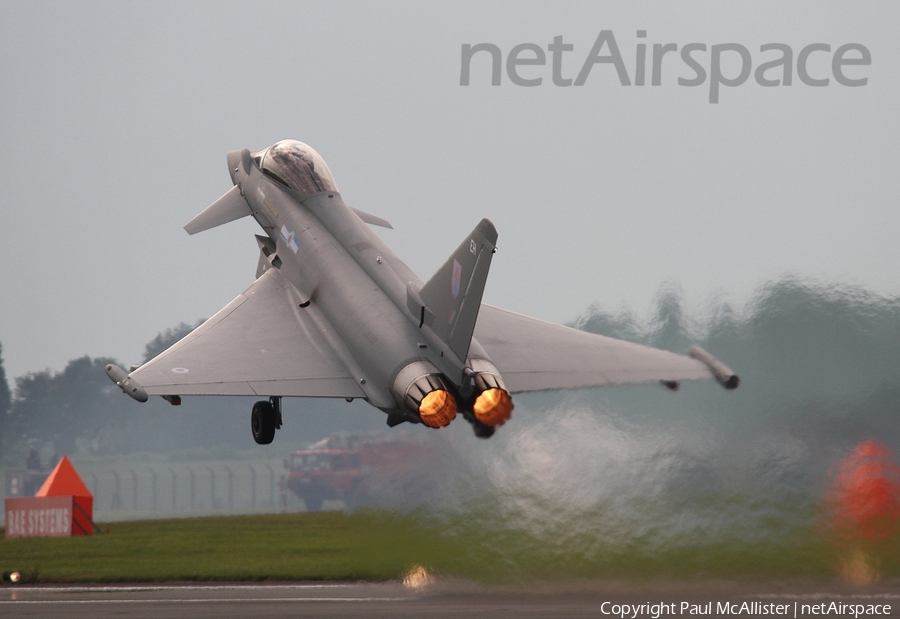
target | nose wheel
x=265, y=418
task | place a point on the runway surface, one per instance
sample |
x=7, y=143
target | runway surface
x=446, y=599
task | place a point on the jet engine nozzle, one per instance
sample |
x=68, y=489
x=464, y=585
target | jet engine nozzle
x=492, y=405
x=422, y=390
x=438, y=408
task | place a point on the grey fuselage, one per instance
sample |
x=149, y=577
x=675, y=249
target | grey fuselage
x=355, y=286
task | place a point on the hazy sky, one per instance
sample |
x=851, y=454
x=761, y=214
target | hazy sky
x=115, y=118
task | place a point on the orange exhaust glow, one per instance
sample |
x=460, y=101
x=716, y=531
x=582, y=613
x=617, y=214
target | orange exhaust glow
x=437, y=409
x=493, y=407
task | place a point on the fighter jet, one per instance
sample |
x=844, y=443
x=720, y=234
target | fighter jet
x=334, y=313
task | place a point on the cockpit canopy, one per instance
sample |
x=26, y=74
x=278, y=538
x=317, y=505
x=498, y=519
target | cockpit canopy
x=298, y=166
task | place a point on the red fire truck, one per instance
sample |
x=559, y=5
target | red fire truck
x=365, y=469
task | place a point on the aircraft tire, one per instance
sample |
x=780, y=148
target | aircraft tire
x=262, y=422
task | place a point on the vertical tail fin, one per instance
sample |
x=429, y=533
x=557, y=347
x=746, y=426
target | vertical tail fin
x=452, y=297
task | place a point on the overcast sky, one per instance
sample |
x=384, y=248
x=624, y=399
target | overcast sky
x=115, y=118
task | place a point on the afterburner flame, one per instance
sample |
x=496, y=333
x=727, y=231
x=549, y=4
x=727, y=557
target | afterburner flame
x=493, y=407
x=437, y=408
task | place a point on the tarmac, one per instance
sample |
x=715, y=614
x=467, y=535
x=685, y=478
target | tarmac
x=453, y=598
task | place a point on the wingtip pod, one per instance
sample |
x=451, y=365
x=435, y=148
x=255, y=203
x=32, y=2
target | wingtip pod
x=126, y=384
x=721, y=372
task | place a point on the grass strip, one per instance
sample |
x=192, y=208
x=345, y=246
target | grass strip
x=379, y=546
x=317, y=546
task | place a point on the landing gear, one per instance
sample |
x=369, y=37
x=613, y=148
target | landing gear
x=265, y=419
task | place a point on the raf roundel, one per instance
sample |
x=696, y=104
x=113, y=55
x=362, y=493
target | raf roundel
x=290, y=238
x=180, y=370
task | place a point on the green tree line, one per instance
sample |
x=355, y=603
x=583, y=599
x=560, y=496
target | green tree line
x=78, y=408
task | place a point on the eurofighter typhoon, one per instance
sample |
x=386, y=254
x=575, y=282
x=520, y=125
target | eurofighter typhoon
x=334, y=313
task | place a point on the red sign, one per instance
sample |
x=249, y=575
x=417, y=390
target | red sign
x=51, y=516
